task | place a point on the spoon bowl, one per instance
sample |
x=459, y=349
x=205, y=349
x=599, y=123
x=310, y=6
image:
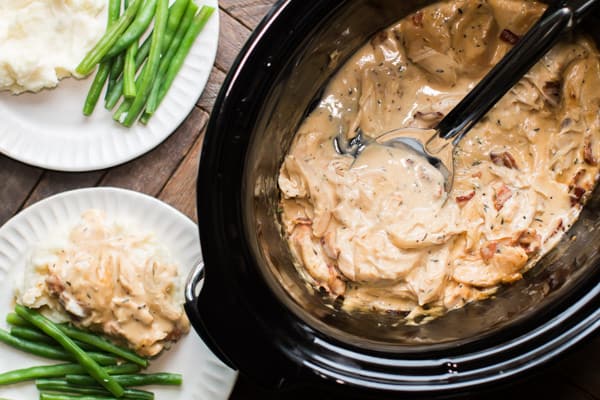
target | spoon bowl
x=559, y=18
x=439, y=155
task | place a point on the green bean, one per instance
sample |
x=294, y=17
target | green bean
x=33, y=335
x=52, y=352
x=116, y=65
x=113, y=96
x=81, y=356
x=15, y=320
x=177, y=38
x=116, y=69
x=61, y=385
x=176, y=12
x=92, y=342
x=135, y=30
x=173, y=64
x=108, y=39
x=60, y=370
x=129, y=71
x=142, y=53
x=192, y=33
x=96, y=88
x=121, y=369
x=162, y=378
x=102, y=344
x=55, y=396
x=114, y=7
x=122, y=110
x=46, y=371
x=149, y=74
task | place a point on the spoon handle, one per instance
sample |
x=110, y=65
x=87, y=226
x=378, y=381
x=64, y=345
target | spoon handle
x=557, y=19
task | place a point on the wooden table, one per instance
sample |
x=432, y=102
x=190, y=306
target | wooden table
x=169, y=173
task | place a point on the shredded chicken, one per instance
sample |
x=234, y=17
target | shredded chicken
x=378, y=230
x=111, y=280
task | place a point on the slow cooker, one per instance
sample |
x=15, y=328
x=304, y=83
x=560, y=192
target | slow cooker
x=256, y=313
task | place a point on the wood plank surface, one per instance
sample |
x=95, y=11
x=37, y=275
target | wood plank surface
x=180, y=191
x=150, y=173
x=169, y=172
x=248, y=12
x=207, y=100
x=16, y=182
x=233, y=36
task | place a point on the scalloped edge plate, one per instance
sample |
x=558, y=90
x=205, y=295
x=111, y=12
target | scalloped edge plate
x=205, y=377
x=48, y=129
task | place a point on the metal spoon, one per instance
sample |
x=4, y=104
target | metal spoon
x=558, y=19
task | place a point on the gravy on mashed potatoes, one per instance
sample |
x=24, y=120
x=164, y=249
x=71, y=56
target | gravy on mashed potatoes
x=376, y=230
x=109, y=279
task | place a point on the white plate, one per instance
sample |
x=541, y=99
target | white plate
x=204, y=376
x=49, y=130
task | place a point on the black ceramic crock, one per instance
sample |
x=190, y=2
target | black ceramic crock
x=255, y=312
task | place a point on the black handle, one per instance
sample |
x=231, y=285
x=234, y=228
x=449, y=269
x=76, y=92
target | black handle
x=196, y=277
x=514, y=65
x=581, y=8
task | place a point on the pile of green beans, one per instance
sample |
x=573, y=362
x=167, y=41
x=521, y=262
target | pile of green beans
x=102, y=371
x=139, y=76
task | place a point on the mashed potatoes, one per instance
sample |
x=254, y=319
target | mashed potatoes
x=109, y=279
x=42, y=41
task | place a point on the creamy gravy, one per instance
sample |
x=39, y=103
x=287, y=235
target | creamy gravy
x=377, y=229
x=112, y=280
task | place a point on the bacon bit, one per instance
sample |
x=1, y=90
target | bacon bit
x=578, y=175
x=530, y=240
x=174, y=335
x=439, y=192
x=504, y=158
x=55, y=285
x=461, y=200
x=552, y=91
x=417, y=19
x=509, y=37
x=379, y=38
x=476, y=174
x=588, y=156
x=577, y=196
x=488, y=250
x=336, y=285
x=557, y=229
x=502, y=196
x=302, y=221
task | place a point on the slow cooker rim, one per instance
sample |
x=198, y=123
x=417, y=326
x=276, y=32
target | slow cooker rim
x=221, y=105
x=499, y=367
x=291, y=303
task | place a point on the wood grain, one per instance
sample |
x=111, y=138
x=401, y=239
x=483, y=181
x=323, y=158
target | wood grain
x=150, y=173
x=249, y=12
x=53, y=182
x=180, y=191
x=207, y=100
x=16, y=181
x=233, y=36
